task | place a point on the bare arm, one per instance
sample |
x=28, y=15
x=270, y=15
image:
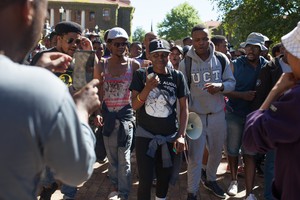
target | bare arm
x=54, y=61
x=285, y=82
x=179, y=144
x=245, y=95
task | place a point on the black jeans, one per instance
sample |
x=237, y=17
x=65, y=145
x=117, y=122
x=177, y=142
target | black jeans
x=146, y=164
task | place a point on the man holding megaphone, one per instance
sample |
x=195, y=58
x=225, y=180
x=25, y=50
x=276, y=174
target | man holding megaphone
x=208, y=79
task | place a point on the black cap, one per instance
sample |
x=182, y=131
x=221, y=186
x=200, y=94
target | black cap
x=67, y=27
x=158, y=45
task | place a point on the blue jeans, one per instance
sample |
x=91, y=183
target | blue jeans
x=235, y=129
x=68, y=191
x=119, y=161
x=48, y=179
x=269, y=174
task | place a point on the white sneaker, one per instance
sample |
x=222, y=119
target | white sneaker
x=113, y=196
x=251, y=197
x=233, y=188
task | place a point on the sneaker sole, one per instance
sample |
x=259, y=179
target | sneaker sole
x=222, y=197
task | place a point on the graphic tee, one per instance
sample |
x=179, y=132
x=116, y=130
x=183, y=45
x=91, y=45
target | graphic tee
x=158, y=114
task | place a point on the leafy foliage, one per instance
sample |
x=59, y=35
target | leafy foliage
x=273, y=18
x=138, y=34
x=179, y=22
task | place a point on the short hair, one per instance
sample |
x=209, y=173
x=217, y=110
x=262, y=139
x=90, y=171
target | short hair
x=275, y=49
x=186, y=38
x=199, y=27
x=217, y=39
x=135, y=43
x=52, y=34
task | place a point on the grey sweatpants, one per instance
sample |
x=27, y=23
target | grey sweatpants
x=213, y=135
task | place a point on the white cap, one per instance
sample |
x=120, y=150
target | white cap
x=117, y=32
x=291, y=41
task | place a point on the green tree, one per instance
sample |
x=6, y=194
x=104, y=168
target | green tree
x=273, y=18
x=138, y=34
x=179, y=22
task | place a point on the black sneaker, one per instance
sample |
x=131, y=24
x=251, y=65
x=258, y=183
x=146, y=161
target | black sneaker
x=191, y=196
x=215, y=189
x=47, y=192
x=203, y=176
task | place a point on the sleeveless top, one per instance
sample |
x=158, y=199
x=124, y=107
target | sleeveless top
x=116, y=89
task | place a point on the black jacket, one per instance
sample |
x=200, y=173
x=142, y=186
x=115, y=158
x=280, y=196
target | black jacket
x=268, y=76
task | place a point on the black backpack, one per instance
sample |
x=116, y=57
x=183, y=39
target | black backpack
x=188, y=65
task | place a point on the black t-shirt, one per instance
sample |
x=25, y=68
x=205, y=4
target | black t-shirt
x=158, y=114
x=65, y=77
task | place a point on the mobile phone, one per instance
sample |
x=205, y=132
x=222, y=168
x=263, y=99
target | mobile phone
x=83, y=68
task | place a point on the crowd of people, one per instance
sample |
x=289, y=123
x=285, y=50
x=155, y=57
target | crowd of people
x=139, y=100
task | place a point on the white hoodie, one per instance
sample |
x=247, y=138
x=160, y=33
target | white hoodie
x=208, y=71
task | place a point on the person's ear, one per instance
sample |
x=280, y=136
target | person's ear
x=28, y=12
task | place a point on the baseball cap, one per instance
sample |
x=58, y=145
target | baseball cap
x=291, y=41
x=257, y=39
x=117, y=32
x=159, y=45
x=179, y=48
x=67, y=27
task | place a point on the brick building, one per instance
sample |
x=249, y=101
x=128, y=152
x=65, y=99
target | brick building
x=94, y=15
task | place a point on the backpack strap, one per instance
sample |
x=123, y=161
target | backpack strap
x=222, y=59
x=188, y=66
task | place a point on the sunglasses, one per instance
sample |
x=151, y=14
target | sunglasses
x=71, y=40
x=118, y=44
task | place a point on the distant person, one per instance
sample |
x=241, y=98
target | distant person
x=176, y=56
x=277, y=50
x=266, y=53
x=40, y=123
x=275, y=125
x=172, y=43
x=135, y=50
x=187, y=41
x=98, y=46
x=221, y=43
x=147, y=39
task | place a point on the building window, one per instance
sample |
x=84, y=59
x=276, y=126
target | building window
x=106, y=14
x=92, y=16
x=78, y=15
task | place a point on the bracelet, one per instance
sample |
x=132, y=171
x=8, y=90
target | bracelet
x=140, y=100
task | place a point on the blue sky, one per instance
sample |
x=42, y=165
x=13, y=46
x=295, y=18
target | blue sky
x=156, y=10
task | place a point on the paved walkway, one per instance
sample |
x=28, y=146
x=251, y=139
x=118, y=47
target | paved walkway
x=98, y=186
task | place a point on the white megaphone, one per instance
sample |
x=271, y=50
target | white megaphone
x=194, y=126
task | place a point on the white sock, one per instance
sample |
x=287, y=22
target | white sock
x=156, y=198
